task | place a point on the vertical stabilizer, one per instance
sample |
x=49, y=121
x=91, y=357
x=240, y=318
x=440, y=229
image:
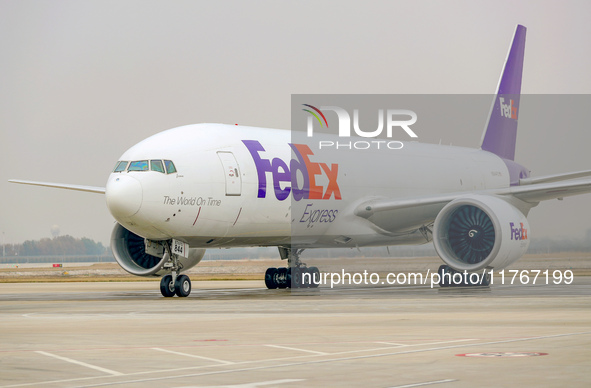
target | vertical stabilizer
x=501, y=129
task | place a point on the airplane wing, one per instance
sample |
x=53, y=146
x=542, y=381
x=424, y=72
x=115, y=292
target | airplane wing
x=532, y=193
x=89, y=189
x=554, y=178
x=543, y=191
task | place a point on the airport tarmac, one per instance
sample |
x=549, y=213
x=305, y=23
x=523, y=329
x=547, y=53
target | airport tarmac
x=239, y=334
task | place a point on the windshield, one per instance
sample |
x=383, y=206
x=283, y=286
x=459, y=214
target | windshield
x=139, y=165
x=156, y=165
x=164, y=167
x=120, y=166
x=170, y=168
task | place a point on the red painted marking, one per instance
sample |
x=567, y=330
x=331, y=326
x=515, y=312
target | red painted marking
x=57, y=265
x=237, y=217
x=197, y=215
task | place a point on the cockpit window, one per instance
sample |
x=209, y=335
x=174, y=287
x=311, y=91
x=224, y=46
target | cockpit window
x=139, y=165
x=170, y=168
x=120, y=166
x=156, y=165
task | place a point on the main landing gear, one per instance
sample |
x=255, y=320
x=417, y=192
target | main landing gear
x=296, y=275
x=174, y=283
x=449, y=277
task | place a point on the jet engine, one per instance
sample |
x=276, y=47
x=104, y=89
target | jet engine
x=478, y=231
x=142, y=257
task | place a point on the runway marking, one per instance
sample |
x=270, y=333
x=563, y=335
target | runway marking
x=105, y=370
x=278, y=365
x=445, y=342
x=426, y=383
x=322, y=361
x=390, y=343
x=396, y=347
x=194, y=356
x=421, y=344
x=301, y=350
x=248, y=385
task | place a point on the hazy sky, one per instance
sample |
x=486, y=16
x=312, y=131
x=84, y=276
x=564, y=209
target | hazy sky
x=82, y=81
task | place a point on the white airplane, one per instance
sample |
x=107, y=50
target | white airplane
x=212, y=185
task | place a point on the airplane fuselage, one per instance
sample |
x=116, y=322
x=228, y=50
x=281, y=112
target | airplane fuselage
x=233, y=187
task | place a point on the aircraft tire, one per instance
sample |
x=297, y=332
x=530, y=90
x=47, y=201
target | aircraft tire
x=314, y=277
x=270, y=275
x=167, y=287
x=485, y=280
x=296, y=277
x=283, y=277
x=182, y=286
x=442, y=279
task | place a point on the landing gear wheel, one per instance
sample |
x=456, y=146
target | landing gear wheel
x=485, y=280
x=472, y=279
x=270, y=276
x=305, y=275
x=282, y=277
x=182, y=286
x=167, y=286
x=296, y=277
x=444, y=280
x=314, y=277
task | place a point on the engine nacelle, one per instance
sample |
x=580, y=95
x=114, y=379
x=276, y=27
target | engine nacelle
x=129, y=250
x=478, y=231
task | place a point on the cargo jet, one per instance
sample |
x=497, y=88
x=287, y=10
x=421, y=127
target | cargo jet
x=212, y=185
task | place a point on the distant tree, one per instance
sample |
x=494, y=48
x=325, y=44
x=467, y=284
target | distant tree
x=91, y=247
x=29, y=248
x=60, y=245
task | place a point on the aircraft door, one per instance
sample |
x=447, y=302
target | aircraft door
x=231, y=173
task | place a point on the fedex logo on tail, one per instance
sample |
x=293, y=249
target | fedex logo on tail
x=285, y=174
x=519, y=233
x=508, y=110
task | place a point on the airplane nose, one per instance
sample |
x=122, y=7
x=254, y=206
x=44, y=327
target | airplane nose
x=124, y=196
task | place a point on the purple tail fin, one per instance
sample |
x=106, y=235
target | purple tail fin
x=501, y=128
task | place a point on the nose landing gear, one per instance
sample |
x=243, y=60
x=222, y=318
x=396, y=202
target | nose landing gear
x=167, y=286
x=173, y=283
